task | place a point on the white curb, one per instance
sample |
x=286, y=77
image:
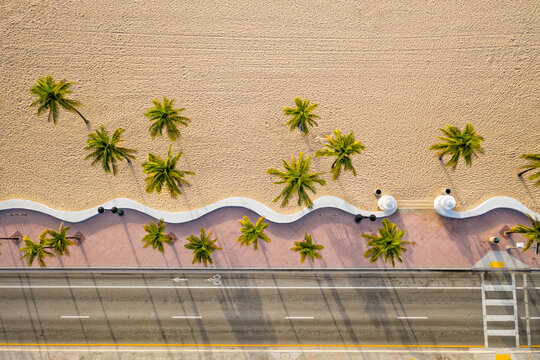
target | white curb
x=387, y=204
x=444, y=205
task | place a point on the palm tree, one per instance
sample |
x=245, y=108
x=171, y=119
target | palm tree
x=301, y=115
x=202, y=247
x=59, y=241
x=156, y=236
x=531, y=233
x=342, y=147
x=34, y=250
x=298, y=180
x=251, y=233
x=307, y=248
x=534, y=164
x=457, y=143
x=165, y=116
x=106, y=149
x=52, y=96
x=161, y=172
x=388, y=244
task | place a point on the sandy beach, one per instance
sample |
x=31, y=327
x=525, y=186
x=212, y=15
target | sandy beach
x=391, y=73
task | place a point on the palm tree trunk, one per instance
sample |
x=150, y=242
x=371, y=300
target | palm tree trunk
x=81, y=115
x=524, y=171
x=334, y=164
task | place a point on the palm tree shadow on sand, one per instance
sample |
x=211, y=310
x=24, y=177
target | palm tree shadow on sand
x=449, y=180
x=534, y=196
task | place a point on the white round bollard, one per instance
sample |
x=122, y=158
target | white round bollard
x=444, y=204
x=387, y=203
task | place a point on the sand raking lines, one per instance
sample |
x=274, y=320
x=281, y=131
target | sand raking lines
x=415, y=204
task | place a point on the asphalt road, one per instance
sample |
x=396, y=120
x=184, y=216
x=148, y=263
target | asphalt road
x=280, y=308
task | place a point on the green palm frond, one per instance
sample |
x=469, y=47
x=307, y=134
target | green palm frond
x=297, y=180
x=251, y=233
x=388, y=244
x=51, y=95
x=532, y=165
x=532, y=233
x=302, y=117
x=164, y=116
x=163, y=172
x=58, y=241
x=458, y=144
x=202, y=247
x=307, y=248
x=156, y=236
x=342, y=147
x=106, y=150
x=34, y=250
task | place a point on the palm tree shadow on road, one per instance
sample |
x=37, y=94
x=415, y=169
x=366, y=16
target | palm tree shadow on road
x=158, y=320
x=372, y=307
x=234, y=312
x=341, y=309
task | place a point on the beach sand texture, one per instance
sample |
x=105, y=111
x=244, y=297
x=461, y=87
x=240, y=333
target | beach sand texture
x=393, y=73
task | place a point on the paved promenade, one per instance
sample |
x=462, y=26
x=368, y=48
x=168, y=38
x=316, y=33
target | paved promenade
x=113, y=241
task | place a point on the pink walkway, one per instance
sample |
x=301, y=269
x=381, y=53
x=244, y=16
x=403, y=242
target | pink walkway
x=113, y=241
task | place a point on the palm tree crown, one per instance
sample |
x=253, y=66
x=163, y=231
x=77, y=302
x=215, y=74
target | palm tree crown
x=202, y=247
x=59, y=241
x=251, y=233
x=531, y=233
x=297, y=179
x=34, y=250
x=161, y=172
x=106, y=149
x=301, y=115
x=534, y=164
x=156, y=236
x=165, y=116
x=457, y=143
x=388, y=244
x=341, y=147
x=52, y=96
x=307, y=248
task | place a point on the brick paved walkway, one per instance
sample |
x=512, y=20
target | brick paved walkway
x=113, y=241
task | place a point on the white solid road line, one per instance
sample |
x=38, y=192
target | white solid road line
x=300, y=317
x=186, y=317
x=242, y=287
x=74, y=316
x=413, y=317
x=407, y=351
x=531, y=318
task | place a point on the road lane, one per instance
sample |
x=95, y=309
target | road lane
x=246, y=316
x=246, y=278
x=349, y=309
